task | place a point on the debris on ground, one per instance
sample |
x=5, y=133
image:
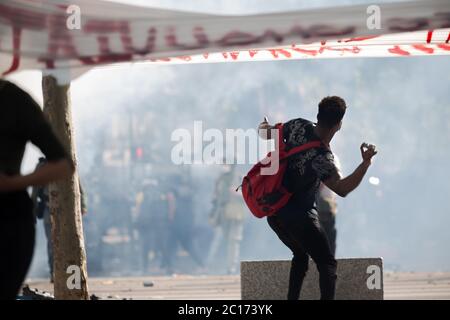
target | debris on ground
x=35, y=294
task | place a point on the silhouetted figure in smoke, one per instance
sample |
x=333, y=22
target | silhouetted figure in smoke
x=326, y=208
x=21, y=120
x=155, y=210
x=227, y=217
x=181, y=224
x=41, y=210
x=326, y=205
x=297, y=224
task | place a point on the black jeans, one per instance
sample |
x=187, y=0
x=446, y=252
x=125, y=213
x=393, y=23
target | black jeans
x=300, y=231
x=17, y=232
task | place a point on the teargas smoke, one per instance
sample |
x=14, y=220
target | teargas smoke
x=125, y=117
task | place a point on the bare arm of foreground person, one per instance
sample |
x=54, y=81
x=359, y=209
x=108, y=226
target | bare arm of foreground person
x=47, y=173
x=343, y=186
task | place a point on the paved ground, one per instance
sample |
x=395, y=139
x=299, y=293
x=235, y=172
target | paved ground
x=411, y=286
x=184, y=287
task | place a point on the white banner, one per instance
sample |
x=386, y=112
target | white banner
x=69, y=35
x=425, y=43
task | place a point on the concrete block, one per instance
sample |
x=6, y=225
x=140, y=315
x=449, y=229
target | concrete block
x=357, y=279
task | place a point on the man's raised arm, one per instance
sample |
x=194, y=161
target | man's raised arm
x=343, y=186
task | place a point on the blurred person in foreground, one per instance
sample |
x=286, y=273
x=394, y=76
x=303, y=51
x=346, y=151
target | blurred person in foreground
x=21, y=120
x=297, y=223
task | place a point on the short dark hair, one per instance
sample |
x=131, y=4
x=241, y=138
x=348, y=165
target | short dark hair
x=331, y=111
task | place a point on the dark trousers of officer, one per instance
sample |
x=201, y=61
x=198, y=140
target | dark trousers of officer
x=48, y=234
x=328, y=223
x=300, y=231
x=17, y=236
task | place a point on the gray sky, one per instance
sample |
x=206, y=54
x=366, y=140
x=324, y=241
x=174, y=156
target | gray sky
x=245, y=6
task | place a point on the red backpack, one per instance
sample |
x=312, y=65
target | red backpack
x=265, y=194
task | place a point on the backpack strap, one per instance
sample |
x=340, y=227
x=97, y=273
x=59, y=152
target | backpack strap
x=303, y=147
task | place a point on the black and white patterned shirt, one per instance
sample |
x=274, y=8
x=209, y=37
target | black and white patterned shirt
x=308, y=168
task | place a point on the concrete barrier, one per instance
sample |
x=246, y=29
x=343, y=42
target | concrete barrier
x=357, y=279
